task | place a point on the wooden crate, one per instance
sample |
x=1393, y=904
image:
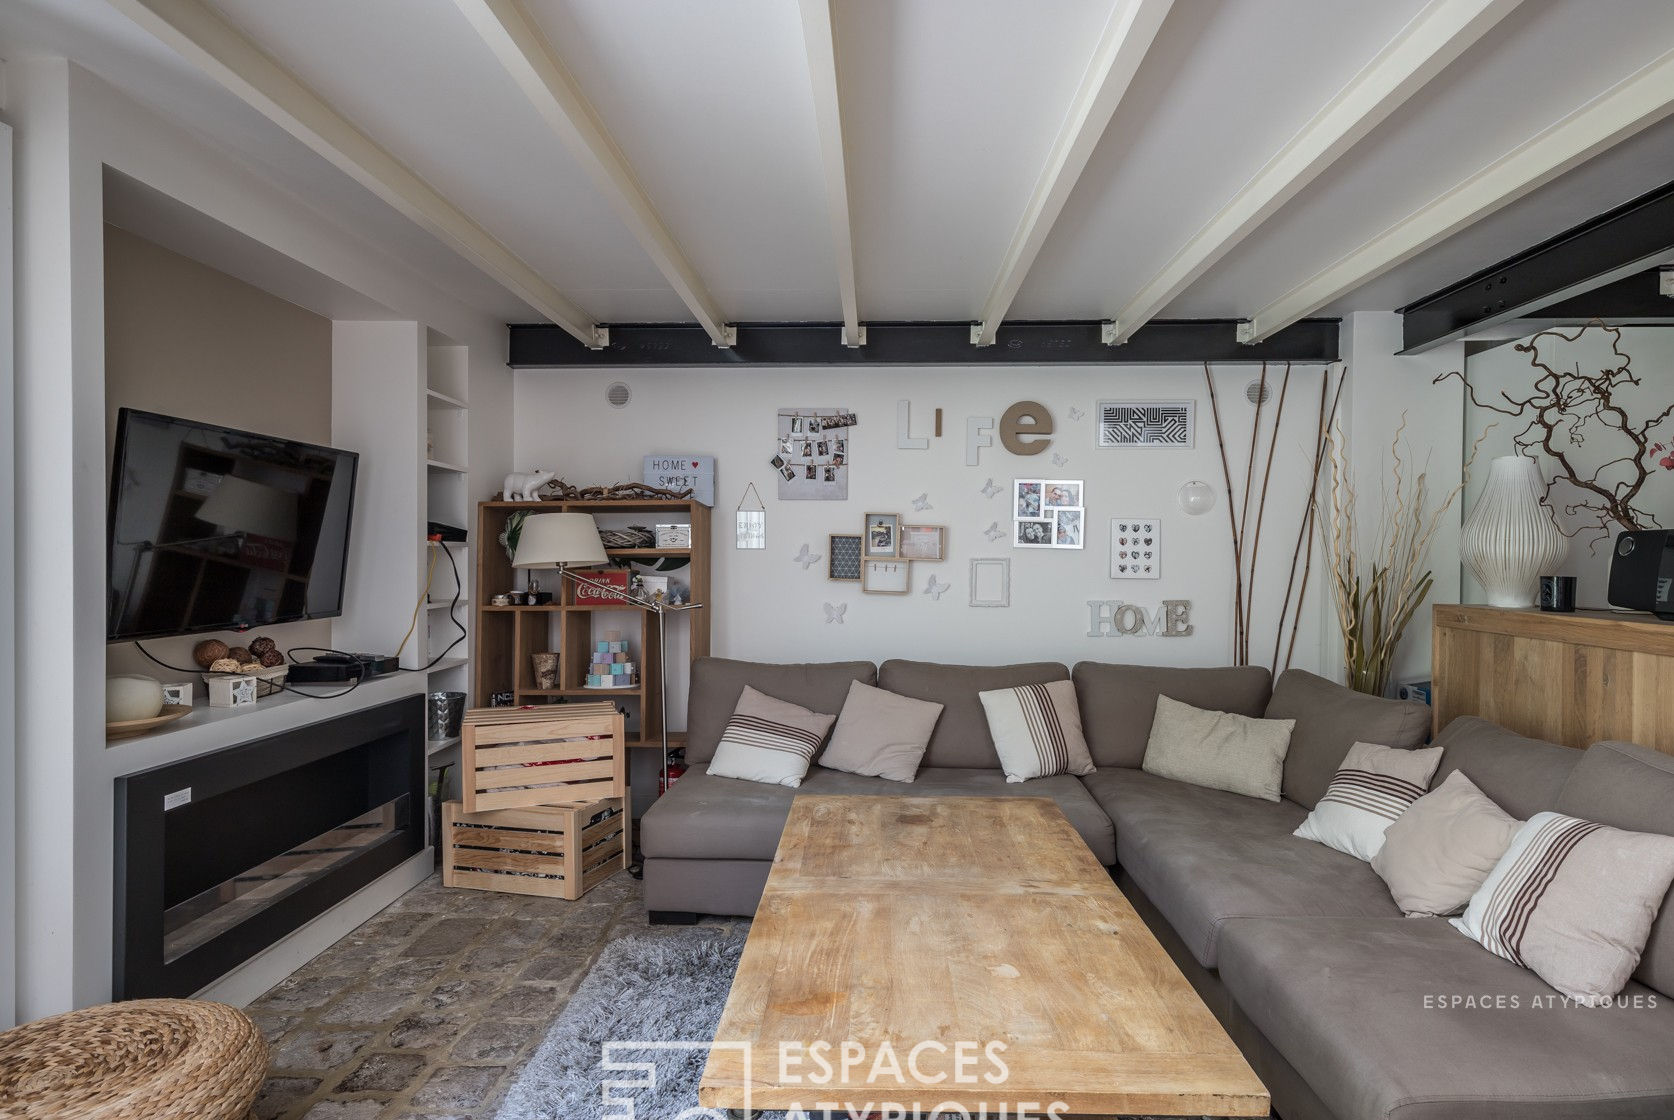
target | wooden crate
x=556, y=851
x=560, y=754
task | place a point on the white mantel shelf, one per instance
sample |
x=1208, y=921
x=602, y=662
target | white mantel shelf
x=209, y=729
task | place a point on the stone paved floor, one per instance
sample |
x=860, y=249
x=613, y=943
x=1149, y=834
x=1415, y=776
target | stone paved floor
x=428, y=1011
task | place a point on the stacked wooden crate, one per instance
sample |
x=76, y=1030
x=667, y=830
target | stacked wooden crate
x=544, y=806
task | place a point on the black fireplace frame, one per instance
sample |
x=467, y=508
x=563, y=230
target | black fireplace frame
x=140, y=968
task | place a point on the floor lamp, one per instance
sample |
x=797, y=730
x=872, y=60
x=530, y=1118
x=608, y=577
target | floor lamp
x=567, y=541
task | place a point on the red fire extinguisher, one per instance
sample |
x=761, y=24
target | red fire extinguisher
x=665, y=780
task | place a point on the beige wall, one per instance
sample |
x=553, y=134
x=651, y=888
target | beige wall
x=186, y=340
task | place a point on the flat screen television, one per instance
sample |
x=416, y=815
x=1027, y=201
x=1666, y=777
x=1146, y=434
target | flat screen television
x=212, y=528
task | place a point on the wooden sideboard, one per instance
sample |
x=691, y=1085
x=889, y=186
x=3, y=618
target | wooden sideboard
x=1573, y=679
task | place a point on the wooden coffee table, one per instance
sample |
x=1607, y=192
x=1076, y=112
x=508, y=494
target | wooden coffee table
x=939, y=937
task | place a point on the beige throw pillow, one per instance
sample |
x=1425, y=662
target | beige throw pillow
x=1036, y=730
x=1573, y=901
x=1218, y=750
x=881, y=734
x=768, y=740
x=1372, y=788
x=1438, y=852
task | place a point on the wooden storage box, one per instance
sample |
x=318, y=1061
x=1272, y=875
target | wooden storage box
x=557, y=851
x=559, y=754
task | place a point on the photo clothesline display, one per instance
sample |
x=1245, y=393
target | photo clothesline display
x=811, y=457
x=1048, y=513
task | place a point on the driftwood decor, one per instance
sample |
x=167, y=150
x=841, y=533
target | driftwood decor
x=558, y=490
x=1246, y=527
x=1575, y=419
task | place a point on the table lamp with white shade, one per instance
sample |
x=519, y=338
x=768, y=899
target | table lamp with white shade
x=567, y=541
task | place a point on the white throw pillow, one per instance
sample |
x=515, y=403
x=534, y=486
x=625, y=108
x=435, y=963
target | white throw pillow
x=1218, y=750
x=1037, y=730
x=768, y=740
x=1372, y=787
x=880, y=734
x=1573, y=902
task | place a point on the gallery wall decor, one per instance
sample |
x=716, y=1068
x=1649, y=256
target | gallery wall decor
x=990, y=488
x=886, y=577
x=904, y=439
x=990, y=582
x=834, y=612
x=1060, y=460
x=751, y=516
x=923, y=542
x=882, y=535
x=922, y=502
x=1112, y=618
x=994, y=532
x=1147, y=424
x=1047, y=513
x=806, y=558
x=843, y=557
x=977, y=438
x=1076, y=413
x=1135, y=548
x=1026, y=428
x=812, y=454
x=935, y=588
x=682, y=472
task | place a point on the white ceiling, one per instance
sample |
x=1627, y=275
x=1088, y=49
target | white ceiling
x=950, y=108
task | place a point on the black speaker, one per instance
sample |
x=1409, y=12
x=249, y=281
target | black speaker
x=1642, y=572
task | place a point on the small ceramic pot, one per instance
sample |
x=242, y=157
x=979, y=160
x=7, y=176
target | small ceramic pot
x=132, y=697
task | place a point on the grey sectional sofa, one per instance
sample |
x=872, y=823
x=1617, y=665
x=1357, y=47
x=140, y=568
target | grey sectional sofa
x=1346, y=1009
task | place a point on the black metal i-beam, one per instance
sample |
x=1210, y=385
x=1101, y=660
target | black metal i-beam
x=1159, y=342
x=1585, y=258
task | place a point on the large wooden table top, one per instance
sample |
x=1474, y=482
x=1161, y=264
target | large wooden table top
x=903, y=925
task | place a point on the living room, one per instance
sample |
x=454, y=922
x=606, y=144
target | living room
x=1202, y=652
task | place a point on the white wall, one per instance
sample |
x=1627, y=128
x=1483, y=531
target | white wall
x=8, y=645
x=767, y=607
x=1502, y=370
x=69, y=126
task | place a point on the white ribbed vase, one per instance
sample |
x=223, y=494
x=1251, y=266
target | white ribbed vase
x=1510, y=540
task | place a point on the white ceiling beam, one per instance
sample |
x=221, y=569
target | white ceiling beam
x=1432, y=40
x=820, y=44
x=1638, y=101
x=1127, y=35
x=209, y=42
x=510, y=32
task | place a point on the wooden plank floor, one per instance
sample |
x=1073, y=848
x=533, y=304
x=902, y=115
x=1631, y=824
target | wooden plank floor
x=941, y=927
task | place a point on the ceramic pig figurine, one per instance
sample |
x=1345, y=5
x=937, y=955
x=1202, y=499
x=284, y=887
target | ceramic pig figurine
x=526, y=487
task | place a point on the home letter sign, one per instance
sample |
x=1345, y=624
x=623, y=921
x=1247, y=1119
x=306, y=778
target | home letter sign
x=1111, y=618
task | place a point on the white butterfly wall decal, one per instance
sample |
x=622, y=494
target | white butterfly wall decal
x=922, y=502
x=994, y=532
x=935, y=588
x=1059, y=460
x=1076, y=413
x=806, y=558
x=835, y=613
x=989, y=489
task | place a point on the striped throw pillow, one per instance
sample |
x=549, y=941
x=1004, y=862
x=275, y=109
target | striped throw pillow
x=1372, y=787
x=769, y=740
x=1573, y=902
x=1037, y=730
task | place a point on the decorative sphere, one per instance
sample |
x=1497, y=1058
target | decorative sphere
x=132, y=697
x=1197, y=498
x=209, y=651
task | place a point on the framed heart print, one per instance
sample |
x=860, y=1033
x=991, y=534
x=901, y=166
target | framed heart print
x=1135, y=548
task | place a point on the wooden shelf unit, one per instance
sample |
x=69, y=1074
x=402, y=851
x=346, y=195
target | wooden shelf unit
x=503, y=638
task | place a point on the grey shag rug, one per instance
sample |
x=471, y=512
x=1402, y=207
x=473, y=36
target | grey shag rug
x=652, y=988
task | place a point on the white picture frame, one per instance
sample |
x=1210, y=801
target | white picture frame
x=1048, y=513
x=1146, y=424
x=1135, y=548
x=990, y=582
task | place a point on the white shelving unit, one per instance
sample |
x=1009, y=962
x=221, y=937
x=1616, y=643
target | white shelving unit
x=447, y=500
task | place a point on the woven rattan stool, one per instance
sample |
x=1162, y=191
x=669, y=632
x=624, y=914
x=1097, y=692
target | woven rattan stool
x=149, y=1059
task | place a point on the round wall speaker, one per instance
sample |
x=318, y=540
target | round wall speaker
x=1258, y=392
x=618, y=395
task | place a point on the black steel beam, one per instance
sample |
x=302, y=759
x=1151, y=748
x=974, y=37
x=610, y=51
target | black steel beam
x=1636, y=297
x=1159, y=342
x=1587, y=257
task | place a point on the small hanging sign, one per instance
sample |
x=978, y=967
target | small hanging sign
x=752, y=520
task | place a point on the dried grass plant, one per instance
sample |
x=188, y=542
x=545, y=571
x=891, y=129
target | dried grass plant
x=1378, y=583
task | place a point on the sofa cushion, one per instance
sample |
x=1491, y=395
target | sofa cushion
x=1036, y=730
x=1632, y=787
x=1370, y=791
x=717, y=683
x=705, y=817
x=1329, y=720
x=768, y=740
x=880, y=734
x=1118, y=702
x=961, y=737
x=1205, y=856
x=1521, y=775
x=1218, y=750
x=1437, y=853
x=1374, y=1015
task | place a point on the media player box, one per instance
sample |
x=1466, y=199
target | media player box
x=324, y=672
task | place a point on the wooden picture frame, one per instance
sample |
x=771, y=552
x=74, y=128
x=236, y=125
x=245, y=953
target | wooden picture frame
x=886, y=576
x=843, y=560
x=923, y=542
x=881, y=535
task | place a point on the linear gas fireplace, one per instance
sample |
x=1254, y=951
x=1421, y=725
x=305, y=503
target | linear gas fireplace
x=220, y=856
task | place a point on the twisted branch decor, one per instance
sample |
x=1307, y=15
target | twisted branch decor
x=1564, y=410
x=560, y=491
